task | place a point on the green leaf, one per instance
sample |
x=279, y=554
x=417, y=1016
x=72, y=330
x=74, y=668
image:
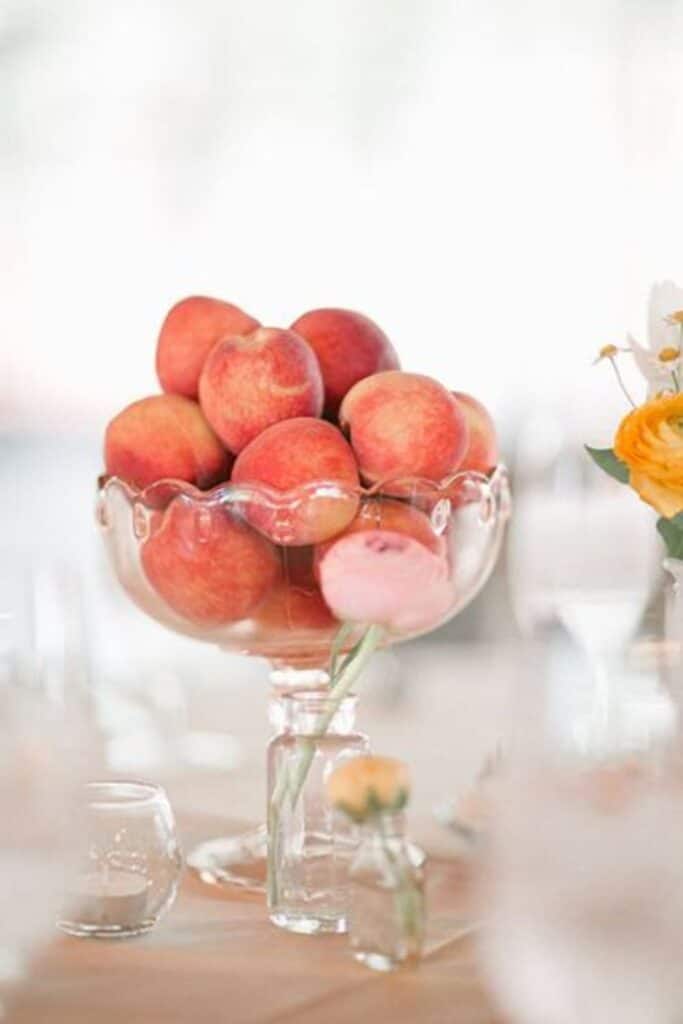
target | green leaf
x=671, y=532
x=609, y=463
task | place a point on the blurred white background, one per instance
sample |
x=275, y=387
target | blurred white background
x=497, y=183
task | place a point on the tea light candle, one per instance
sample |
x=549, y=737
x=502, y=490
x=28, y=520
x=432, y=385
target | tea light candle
x=110, y=898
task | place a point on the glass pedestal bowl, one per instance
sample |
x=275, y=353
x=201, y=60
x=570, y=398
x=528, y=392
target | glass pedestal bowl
x=235, y=566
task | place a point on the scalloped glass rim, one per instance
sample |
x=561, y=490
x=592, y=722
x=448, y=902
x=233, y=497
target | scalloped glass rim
x=169, y=488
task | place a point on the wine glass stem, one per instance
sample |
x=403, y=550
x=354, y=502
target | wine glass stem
x=603, y=696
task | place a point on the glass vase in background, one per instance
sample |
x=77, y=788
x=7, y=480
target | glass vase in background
x=310, y=844
x=582, y=882
x=672, y=655
x=387, y=903
x=42, y=761
x=583, y=550
x=583, y=559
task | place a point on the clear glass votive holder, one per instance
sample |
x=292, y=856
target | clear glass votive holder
x=127, y=875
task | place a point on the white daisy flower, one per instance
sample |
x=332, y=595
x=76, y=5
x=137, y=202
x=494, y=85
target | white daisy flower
x=609, y=353
x=661, y=362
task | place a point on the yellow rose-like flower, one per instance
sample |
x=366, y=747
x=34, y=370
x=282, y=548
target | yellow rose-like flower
x=363, y=786
x=650, y=441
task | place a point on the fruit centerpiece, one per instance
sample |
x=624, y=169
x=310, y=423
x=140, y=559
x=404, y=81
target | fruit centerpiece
x=294, y=495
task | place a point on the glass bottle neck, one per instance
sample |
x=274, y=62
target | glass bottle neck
x=288, y=681
x=309, y=713
x=384, y=825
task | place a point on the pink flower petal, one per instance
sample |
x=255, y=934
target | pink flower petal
x=384, y=578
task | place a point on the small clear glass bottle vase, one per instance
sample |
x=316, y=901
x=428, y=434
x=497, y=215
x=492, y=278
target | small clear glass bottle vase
x=387, y=904
x=310, y=844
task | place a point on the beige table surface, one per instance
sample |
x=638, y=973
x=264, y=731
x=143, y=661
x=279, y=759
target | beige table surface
x=216, y=958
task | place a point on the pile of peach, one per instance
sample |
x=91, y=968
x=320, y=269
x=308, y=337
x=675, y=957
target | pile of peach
x=281, y=408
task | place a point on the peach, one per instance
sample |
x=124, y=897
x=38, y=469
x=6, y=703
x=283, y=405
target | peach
x=482, y=453
x=349, y=347
x=209, y=566
x=389, y=514
x=288, y=456
x=164, y=436
x=296, y=602
x=189, y=332
x=292, y=608
x=404, y=425
x=248, y=383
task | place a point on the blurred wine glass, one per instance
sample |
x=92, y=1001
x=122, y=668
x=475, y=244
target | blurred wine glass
x=42, y=757
x=583, y=872
x=582, y=553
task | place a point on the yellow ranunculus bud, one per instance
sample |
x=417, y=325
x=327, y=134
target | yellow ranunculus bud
x=650, y=441
x=363, y=786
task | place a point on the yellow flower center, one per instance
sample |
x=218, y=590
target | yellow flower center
x=669, y=354
x=608, y=351
x=675, y=318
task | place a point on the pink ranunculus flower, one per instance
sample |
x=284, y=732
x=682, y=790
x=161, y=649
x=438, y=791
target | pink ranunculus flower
x=386, y=579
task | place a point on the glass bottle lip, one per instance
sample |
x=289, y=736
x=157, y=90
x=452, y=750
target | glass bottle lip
x=303, y=711
x=121, y=795
x=317, y=702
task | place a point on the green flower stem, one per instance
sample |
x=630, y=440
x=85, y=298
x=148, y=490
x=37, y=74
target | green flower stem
x=273, y=829
x=620, y=381
x=289, y=784
x=407, y=896
x=339, y=688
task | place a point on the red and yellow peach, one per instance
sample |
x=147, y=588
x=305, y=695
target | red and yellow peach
x=209, y=566
x=404, y=425
x=349, y=347
x=249, y=383
x=286, y=457
x=482, y=453
x=296, y=603
x=164, y=436
x=189, y=332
